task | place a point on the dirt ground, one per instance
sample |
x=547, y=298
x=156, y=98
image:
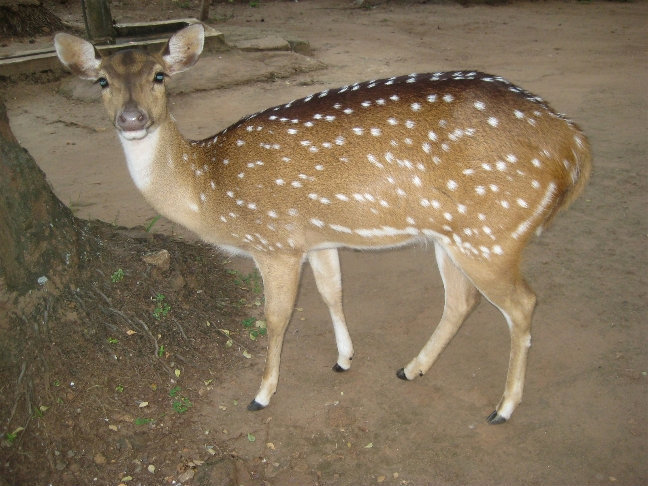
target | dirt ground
x=583, y=418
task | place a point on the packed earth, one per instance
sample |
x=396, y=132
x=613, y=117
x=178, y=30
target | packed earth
x=140, y=372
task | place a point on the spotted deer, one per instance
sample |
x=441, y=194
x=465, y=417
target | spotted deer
x=464, y=160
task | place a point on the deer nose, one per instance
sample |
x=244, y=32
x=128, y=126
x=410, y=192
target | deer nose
x=132, y=119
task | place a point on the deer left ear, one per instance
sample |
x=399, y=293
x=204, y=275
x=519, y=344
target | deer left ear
x=183, y=49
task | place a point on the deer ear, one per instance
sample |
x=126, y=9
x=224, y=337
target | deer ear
x=78, y=55
x=183, y=49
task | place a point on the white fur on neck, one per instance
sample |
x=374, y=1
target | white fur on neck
x=139, y=157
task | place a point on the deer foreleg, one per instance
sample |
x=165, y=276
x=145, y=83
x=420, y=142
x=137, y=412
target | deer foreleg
x=280, y=281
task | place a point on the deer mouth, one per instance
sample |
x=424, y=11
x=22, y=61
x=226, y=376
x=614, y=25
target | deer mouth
x=134, y=134
x=133, y=123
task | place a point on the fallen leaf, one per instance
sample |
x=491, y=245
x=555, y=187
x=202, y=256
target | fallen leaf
x=251, y=437
x=177, y=373
x=143, y=404
x=270, y=446
x=369, y=445
x=186, y=476
x=246, y=355
x=151, y=468
x=130, y=332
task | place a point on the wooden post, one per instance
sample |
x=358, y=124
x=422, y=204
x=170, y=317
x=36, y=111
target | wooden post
x=98, y=21
x=204, y=10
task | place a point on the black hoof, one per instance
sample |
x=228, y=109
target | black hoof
x=401, y=374
x=338, y=369
x=255, y=406
x=495, y=418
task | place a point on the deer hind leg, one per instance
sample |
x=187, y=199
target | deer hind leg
x=504, y=287
x=326, y=268
x=461, y=297
x=280, y=275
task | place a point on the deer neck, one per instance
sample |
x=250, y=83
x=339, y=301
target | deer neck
x=155, y=163
x=140, y=157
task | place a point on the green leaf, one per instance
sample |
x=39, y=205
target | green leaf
x=153, y=221
x=248, y=322
x=117, y=276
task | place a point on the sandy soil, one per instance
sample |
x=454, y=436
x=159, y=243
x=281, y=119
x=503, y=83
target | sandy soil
x=583, y=419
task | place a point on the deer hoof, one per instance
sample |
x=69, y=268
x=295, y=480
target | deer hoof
x=255, y=406
x=401, y=374
x=495, y=418
x=338, y=369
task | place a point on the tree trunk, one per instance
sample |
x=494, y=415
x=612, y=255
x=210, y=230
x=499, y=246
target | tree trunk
x=40, y=239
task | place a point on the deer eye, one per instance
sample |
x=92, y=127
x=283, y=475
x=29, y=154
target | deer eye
x=103, y=82
x=158, y=78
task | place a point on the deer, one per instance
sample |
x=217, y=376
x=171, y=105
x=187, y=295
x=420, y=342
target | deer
x=462, y=160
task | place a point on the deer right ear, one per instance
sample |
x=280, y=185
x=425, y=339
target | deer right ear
x=78, y=55
x=183, y=49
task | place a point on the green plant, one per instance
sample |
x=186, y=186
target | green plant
x=181, y=403
x=160, y=351
x=112, y=340
x=255, y=327
x=151, y=223
x=161, y=307
x=143, y=421
x=11, y=437
x=117, y=276
x=252, y=281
